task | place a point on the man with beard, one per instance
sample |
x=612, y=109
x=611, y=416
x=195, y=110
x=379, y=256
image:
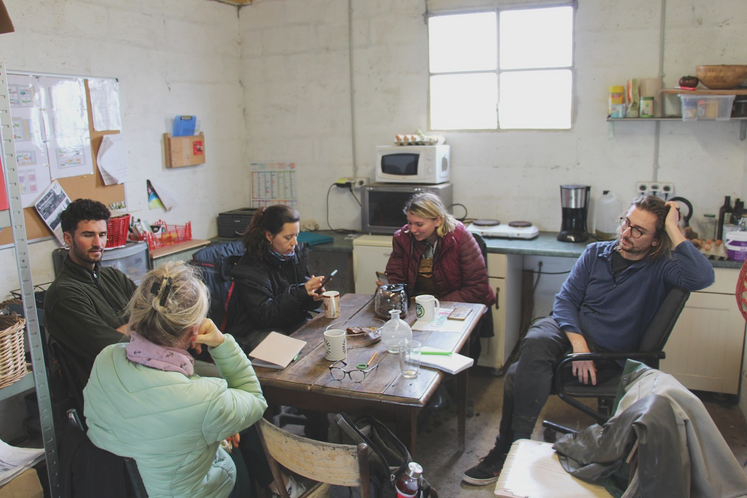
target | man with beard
x=610, y=296
x=84, y=306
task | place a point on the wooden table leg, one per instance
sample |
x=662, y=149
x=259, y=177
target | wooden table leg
x=462, y=384
x=407, y=429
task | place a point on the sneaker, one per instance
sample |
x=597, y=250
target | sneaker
x=488, y=470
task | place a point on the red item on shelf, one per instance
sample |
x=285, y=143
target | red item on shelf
x=116, y=231
x=168, y=235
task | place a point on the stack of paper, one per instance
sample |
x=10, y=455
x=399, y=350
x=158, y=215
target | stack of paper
x=276, y=351
x=14, y=461
x=450, y=363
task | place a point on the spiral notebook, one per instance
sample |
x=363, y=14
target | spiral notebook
x=453, y=363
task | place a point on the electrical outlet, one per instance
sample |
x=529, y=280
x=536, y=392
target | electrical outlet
x=354, y=182
x=662, y=190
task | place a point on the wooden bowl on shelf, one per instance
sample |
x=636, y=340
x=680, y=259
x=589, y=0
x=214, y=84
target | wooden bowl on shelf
x=723, y=77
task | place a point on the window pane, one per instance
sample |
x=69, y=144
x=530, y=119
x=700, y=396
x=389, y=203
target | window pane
x=535, y=99
x=466, y=42
x=536, y=38
x=463, y=101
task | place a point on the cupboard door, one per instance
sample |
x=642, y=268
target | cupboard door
x=504, y=272
x=704, y=351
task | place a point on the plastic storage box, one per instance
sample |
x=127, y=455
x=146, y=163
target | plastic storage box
x=131, y=259
x=736, y=246
x=706, y=107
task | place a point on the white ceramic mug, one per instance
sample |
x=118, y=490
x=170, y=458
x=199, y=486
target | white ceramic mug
x=426, y=307
x=335, y=345
x=331, y=304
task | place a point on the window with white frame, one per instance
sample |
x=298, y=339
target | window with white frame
x=510, y=69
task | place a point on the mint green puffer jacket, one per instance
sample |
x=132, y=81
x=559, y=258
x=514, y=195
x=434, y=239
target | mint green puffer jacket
x=172, y=424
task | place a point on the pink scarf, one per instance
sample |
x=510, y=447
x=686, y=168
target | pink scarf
x=144, y=352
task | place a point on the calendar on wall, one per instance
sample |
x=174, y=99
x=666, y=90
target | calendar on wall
x=273, y=183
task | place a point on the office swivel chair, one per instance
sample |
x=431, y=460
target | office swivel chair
x=650, y=351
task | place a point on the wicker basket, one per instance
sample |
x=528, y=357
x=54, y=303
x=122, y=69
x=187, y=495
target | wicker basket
x=12, y=359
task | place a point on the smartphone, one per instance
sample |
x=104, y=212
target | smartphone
x=459, y=313
x=382, y=277
x=326, y=281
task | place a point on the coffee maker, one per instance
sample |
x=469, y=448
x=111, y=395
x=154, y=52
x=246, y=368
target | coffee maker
x=574, y=199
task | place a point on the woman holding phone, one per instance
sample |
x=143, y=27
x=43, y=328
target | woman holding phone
x=273, y=289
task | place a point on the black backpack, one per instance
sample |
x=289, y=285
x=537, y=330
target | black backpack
x=216, y=262
x=388, y=456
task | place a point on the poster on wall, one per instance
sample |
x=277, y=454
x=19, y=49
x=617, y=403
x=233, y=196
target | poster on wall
x=273, y=183
x=105, y=104
x=50, y=205
x=29, y=136
x=65, y=115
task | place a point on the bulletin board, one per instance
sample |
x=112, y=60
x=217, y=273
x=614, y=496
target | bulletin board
x=86, y=186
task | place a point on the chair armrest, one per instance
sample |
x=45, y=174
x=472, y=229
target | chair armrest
x=655, y=355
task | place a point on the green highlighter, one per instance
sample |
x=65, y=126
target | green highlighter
x=437, y=353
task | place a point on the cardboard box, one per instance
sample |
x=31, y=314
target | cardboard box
x=24, y=485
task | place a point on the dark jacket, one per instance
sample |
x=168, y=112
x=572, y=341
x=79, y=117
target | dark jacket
x=269, y=295
x=458, y=267
x=83, y=309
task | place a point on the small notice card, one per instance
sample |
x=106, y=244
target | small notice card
x=276, y=351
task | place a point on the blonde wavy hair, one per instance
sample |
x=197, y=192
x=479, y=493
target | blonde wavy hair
x=170, y=300
x=430, y=206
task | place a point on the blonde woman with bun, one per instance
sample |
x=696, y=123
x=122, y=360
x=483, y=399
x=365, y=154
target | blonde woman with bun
x=144, y=400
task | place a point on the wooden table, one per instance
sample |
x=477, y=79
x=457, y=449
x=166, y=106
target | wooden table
x=307, y=383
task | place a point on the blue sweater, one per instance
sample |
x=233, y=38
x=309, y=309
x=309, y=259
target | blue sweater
x=614, y=311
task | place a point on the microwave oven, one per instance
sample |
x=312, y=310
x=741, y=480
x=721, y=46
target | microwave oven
x=382, y=205
x=420, y=164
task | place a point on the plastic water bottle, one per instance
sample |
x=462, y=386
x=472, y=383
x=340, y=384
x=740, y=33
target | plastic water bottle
x=606, y=220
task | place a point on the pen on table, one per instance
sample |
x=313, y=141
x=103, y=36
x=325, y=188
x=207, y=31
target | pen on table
x=296, y=357
x=439, y=353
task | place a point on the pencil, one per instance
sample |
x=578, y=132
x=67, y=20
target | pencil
x=372, y=358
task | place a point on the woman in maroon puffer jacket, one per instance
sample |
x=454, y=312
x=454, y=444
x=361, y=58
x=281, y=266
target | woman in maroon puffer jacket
x=435, y=254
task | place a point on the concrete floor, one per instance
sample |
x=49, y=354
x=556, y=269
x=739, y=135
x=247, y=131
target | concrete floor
x=443, y=465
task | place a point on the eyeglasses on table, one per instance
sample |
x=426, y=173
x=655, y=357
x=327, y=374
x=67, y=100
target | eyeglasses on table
x=356, y=374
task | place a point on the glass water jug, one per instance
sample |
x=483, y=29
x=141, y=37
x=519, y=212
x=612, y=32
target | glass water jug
x=390, y=297
x=394, y=331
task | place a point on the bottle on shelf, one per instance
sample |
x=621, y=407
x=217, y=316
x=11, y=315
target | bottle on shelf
x=736, y=214
x=743, y=223
x=724, y=213
x=408, y=482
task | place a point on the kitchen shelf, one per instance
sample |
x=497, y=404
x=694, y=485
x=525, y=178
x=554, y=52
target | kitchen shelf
x=742, y=122
x=704, y=91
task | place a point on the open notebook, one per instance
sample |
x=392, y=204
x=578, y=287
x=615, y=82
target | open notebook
x=453, y=364
x=276, y=351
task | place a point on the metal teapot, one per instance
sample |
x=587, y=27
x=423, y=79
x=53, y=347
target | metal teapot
x=390, y=297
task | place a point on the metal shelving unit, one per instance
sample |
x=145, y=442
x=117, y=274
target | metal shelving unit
x=33, y=335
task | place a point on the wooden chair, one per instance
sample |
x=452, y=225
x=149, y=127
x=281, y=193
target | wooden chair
x=326, y=463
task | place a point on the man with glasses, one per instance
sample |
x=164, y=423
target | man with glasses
x=610, y=296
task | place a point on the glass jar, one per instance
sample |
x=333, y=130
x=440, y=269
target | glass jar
x=394, y=331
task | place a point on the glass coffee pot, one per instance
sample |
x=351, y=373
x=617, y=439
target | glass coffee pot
x=390, y=297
